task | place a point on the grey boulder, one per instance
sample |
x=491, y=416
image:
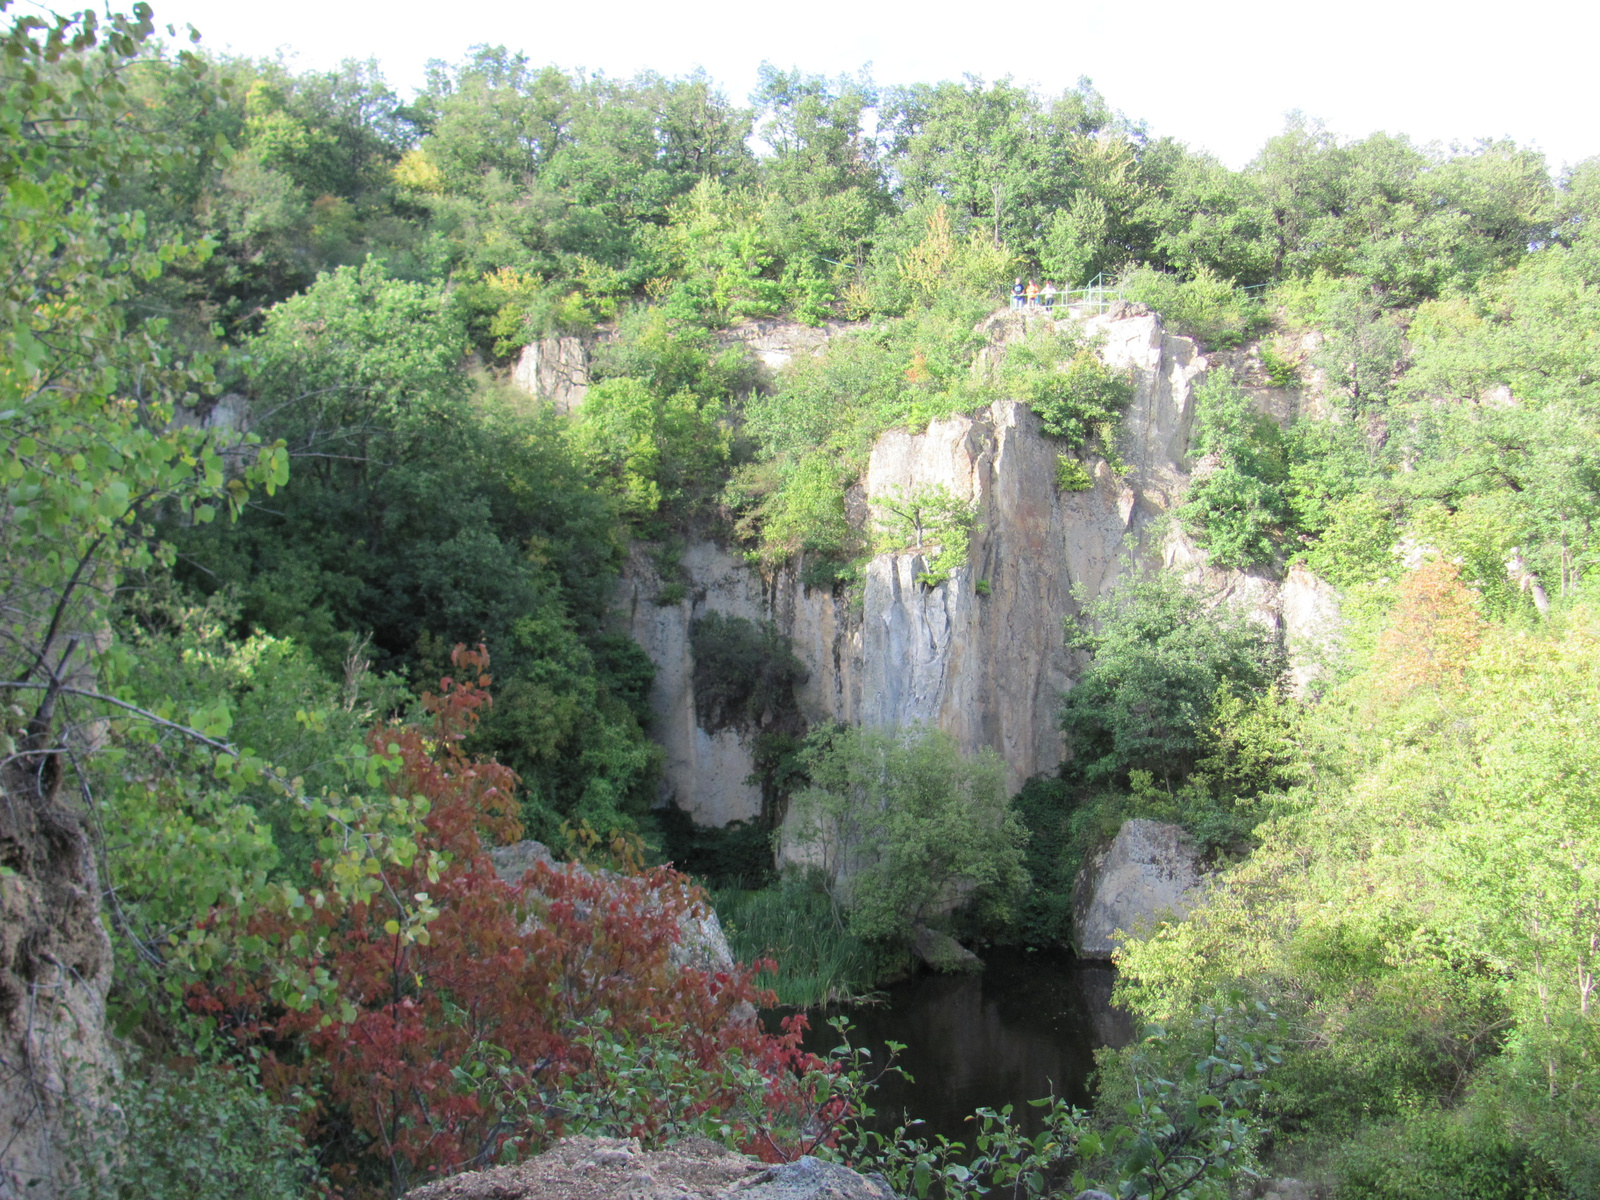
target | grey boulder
x=1151, y=871
x=812, y=1179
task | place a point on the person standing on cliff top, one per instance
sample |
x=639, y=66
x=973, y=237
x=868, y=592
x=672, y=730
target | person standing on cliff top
x=1048, y=295
x=1033, y=294
x=1017, y=294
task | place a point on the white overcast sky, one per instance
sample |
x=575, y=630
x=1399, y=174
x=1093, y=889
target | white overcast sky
x=1219, y=75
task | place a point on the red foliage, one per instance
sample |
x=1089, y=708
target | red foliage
x=503, y=965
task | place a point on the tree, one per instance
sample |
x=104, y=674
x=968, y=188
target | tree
x=1436, y=629
x=908, y=829
x=359, y=371
x=1238, y=506
x=655, y=451
x=1162, y=652
x=923, y=518
x=91, y=456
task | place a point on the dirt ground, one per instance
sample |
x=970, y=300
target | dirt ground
x=585, y=1168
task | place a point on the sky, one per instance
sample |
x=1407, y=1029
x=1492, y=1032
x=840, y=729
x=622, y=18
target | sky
x=1220, y=76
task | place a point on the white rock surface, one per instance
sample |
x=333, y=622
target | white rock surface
x=705, y=773
x=988, y=669
x=1151, y=871
x=554, y=369
x=775, y=344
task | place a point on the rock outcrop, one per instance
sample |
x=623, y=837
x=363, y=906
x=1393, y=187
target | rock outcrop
x=557, y=369
x=942, y=952
x=774, y=344
x=55, y=971
x=1150, y=871
x=982, y=655
x=554, y=369
x=708, y=773
x=590, y=1168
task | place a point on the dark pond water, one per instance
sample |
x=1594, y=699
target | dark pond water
x=1029, y=1023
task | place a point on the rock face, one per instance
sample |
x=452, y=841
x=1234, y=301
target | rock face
x=590, y=1168
x=557, y=368
x=554, y=369
x=55, y=971
x=706, y=773
x=1150, y=871
x=981, y=656
x=774, y=344
x=990, y=668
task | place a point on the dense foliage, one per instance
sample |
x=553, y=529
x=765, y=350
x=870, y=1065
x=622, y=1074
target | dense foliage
x=1449, y=793
x=905, y=828
x=289, y=300
x=386, y=1041
x=1162, y=659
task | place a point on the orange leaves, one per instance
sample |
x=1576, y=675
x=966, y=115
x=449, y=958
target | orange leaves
x=1435, y=630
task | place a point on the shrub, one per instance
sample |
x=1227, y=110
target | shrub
x=1238, y=510
x=1355, y=544
x=1072, y=475
x=1162, y=654
x=744, y=674
x=1212, y=310
x=1282, y=371
x=1075, y=394
x=380, y=1023
x=736, y=855
x=652, y=449
x=804, y=512
x=908, y=828
x=1467, y=1156
x=206, y=1131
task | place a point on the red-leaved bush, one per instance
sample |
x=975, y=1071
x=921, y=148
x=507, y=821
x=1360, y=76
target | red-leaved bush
x=384, y=1048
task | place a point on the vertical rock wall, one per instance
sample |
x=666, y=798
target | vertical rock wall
x=707, y=773
x=986, y=664
x=990, y=668
x=554, y=369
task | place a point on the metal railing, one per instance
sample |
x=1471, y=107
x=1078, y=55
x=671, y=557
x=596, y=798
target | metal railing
x=1100, y=294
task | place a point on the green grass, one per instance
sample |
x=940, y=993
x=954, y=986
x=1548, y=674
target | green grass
x=819, y=960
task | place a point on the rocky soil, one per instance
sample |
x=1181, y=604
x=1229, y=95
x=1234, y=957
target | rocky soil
x=585, y=1168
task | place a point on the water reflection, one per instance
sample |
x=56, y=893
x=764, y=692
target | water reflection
x=1027, y=1024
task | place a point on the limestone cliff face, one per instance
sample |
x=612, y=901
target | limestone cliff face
x=986, y=663
x=706, y=772
x=990, y=668
x=554, y=369
x=557, y=369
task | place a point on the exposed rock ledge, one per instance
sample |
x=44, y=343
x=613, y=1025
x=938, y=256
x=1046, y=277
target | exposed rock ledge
x=981, y=656
x=584, y=1168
